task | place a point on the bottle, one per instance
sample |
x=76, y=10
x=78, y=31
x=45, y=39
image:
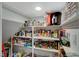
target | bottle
x=43, y=33
x=49, y=19
x=55, y=34
x=49, y=33
x=54, y=20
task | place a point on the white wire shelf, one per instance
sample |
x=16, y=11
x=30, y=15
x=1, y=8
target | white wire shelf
x=22, y=45
x=46, y=38
x=22, y=36
x=44, y=49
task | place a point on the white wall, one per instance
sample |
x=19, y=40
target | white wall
x=11, y=21
x=0, y=30
x=12, y=16
x=74, y=40
x=9, y=28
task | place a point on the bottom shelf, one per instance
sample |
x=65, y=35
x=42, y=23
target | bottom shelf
x=22, y=55
x=47, y=52
x=44, y=49
x=29, y=55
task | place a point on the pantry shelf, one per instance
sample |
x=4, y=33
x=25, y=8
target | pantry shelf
x=36, y=26
x=44, y=49
x=18, y=44
x=52, y=27
x=22, y=45
x=46, y=38
x=21, y=37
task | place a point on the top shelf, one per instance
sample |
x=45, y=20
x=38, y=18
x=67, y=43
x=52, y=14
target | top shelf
x=45, y=26
x=51, y=27
x=36, y=26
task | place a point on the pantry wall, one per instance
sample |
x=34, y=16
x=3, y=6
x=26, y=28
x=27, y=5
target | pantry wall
x=0, y=29
x=11, y=23
x=9, y=29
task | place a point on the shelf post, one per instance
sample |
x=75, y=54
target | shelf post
x=32, y=41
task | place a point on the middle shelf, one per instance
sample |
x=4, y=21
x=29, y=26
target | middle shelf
x=22, y=45
x=36, y=37
x=22, y=37
x=37, y=48
x=46, y=38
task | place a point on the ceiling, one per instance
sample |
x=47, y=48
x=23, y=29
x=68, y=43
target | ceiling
x=28, y=8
